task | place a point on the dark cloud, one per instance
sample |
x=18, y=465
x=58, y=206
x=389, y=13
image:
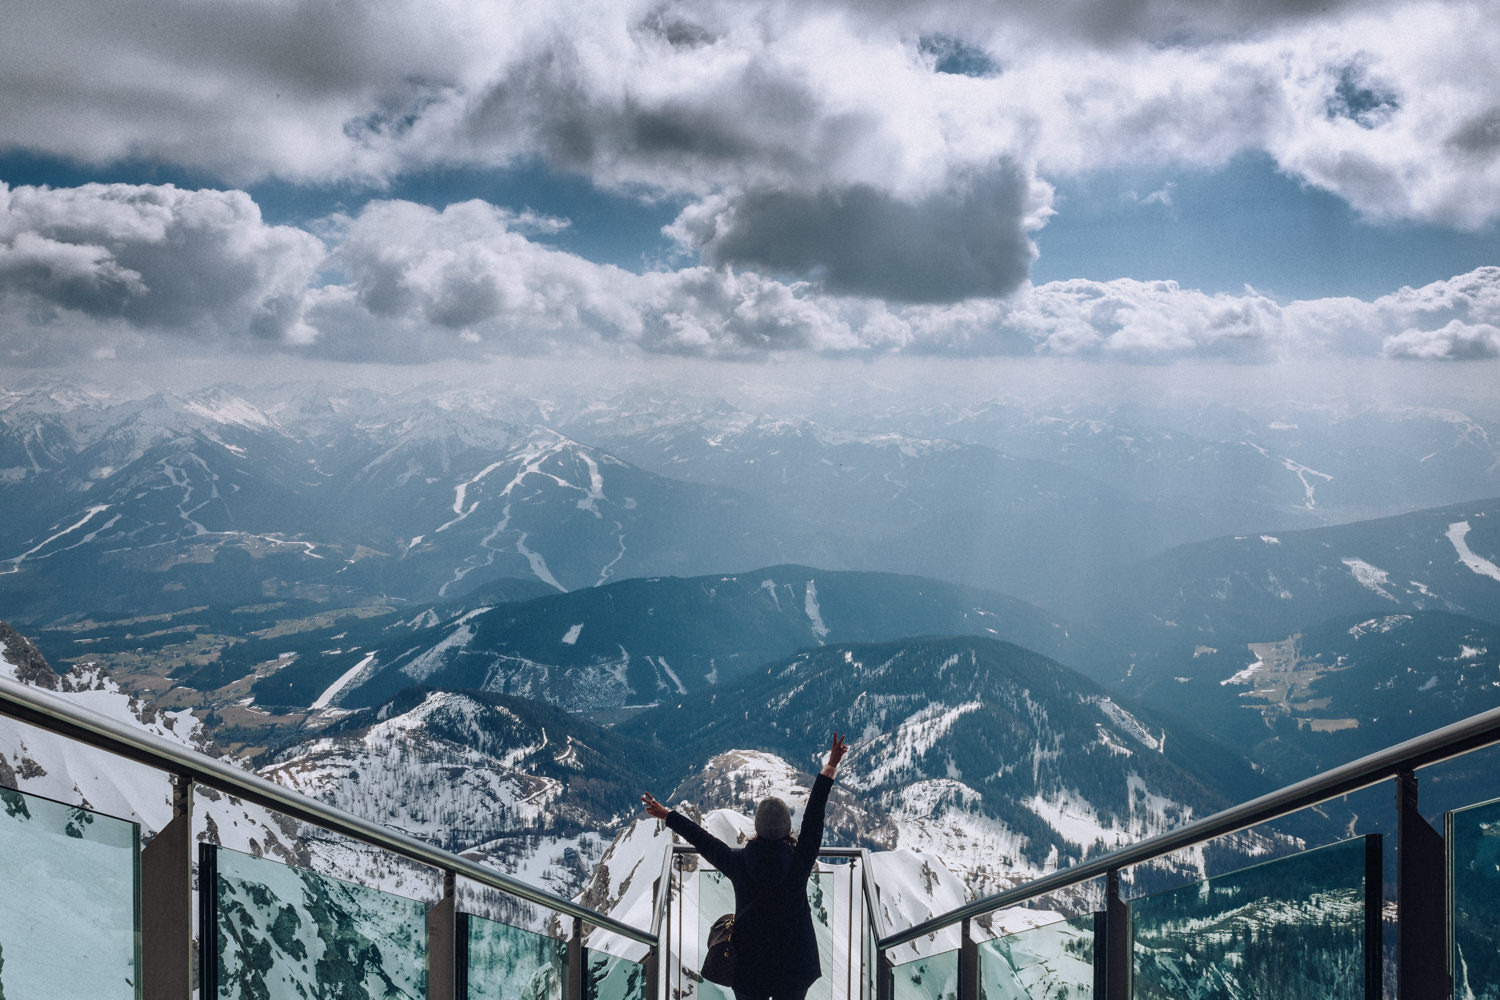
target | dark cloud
x=965, y=240
x=1480, y=135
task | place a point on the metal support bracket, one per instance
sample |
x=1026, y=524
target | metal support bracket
x=442, y=943
x=167, y=902
x=1421, y=898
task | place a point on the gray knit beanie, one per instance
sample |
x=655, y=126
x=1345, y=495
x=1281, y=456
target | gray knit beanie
x=772, y=820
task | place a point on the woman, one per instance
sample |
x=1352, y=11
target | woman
x=773, y=928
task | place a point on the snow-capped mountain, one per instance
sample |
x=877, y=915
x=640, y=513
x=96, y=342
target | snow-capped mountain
x=639, y=642
x=990, y=756
x=1445, y=559
x=522, y=786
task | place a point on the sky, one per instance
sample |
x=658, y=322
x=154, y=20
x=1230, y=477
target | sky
x=1261, y=184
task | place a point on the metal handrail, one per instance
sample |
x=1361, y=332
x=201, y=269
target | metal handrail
x=47, y=710
x=1430, y=748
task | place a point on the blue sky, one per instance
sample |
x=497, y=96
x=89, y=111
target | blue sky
x=1147, y=182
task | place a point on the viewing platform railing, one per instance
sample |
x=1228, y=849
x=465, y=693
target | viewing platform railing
x=166, y=862
x=1126, y=949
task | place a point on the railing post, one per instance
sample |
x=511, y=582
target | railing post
x=968, y=963
x=167, y=902
x=1116, y=940
x=1421, y=900
x=577, y=967
x=442, y=943
x=884, y=976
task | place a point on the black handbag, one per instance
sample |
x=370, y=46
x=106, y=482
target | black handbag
x=719, y=959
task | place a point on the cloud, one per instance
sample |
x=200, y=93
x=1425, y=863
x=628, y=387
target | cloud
x=137, y=269
x=1455, y=341
x=819, y=120
x=968, y=239
x=196, y=263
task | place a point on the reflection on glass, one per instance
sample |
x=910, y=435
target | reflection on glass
x=509, y=963
x=716, y=898
x=69, y=918
x=1051, y=962
x=611, y=977
x=931, y=978
x=1302, y=926
x=1474, y=874
x=287, y=932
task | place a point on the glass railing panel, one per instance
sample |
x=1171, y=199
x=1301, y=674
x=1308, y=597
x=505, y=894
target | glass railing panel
x=1474, y=874
x=69, y=910
x=611, y=977
x=934, y=977
x=716, y=898
x=501, y=962
x=281, y=931
x=1054, y=961
x=1302, y=926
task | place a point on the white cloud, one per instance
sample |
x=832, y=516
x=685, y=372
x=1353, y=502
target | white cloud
x=793, y=129
x=115, y=268
x=1455, y=341
x=199, y=263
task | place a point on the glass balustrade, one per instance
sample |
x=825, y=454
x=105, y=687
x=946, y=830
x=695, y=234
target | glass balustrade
x=501, y=962
x=69, y=902
x=934, y=977
x=612, y=977
x=281, y=931
x=1473, y=836
x=1053, y=961
x=1301, y=926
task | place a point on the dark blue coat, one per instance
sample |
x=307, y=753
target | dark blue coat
x=773, y=928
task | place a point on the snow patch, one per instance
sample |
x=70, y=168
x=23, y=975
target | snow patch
x=326, y=698
x=1244, y=676
x=570, y=638
x=1370, y=577
x=814, y=613
x=1388, y=623
x=1133, y=726
x=1458, y=535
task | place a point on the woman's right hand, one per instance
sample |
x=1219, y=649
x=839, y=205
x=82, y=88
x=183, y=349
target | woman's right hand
x=836, y=753
x=654, y=809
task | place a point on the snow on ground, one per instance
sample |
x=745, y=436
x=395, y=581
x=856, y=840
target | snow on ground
x=1370, y=577
x=1132, y=725
x=1388, y=623
x=890, y=755
x=661, y=661
x=326, y=698
x=769, y=586
x=1458, y=534
x=570, y=638
x=1303, y=472
x=433, y=659
x=16, y=561
x=814, y=613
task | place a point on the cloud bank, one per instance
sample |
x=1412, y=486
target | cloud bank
x=899, y=151
x=104, y=269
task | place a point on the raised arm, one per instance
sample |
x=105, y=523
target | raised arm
x=835, y=754
x=714, y=850
x=810, y=838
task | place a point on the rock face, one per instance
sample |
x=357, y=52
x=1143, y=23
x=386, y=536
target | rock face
x=27, y=664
